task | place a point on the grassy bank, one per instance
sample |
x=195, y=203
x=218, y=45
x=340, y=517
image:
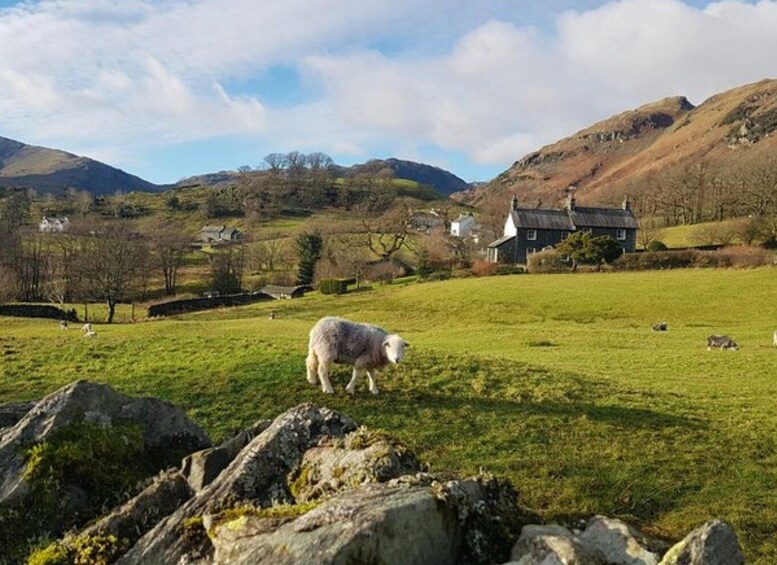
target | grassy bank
x=553, y=381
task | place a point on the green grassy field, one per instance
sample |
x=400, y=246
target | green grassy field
x=553, y=381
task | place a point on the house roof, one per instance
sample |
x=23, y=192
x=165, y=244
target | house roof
x=501, y=240
x=463, y=218
x=603, y=218
x=213, y=228
x=539, y=219
x=230, y=231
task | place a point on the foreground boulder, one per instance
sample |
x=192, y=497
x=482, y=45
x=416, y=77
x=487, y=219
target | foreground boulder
x=714, y=543
x=164, y=427
x=79, y=449
x=543, y=545
x=314, y=488
x=618, y=542
x=377, y=523
x=13, y=412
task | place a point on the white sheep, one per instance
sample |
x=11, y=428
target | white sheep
x=365, y=347
x=86, y=328
x=775, y=338
x=63, y=325
x=90, y=334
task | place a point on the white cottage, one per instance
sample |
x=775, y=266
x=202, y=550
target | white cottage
x=464, y=226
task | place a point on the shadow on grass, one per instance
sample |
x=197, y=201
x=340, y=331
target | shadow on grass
x=615, y=415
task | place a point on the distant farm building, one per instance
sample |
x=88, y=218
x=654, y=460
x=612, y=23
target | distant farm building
x=53, y=224
x=529, y=230
x=219, y=234
x=425, y=221
x=464, y=226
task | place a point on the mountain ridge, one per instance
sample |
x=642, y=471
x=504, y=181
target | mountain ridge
x=609, y=158
x=49, y=170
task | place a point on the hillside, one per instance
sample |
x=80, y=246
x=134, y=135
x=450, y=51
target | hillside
x=440, y=180
x=611, y=157
x=48, y=170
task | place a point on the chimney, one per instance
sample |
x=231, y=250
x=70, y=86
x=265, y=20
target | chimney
x=514, y=204
x=626, y=203
x=571, y=197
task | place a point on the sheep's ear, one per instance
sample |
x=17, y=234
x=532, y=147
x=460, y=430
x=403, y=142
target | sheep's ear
x=406, y=344
x=385, y=343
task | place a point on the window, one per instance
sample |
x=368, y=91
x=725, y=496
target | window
x=620, y=234
x=531, y=235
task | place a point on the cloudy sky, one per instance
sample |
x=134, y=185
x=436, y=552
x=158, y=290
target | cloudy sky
x=170, y=88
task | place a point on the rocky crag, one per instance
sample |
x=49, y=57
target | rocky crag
x=310, y=486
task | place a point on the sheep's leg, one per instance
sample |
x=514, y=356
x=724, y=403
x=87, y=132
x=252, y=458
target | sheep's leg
x=323, y=375
x=373, y=386
x=351, y=388
x=312, y=366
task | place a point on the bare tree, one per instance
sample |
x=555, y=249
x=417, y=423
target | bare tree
x=169, y=243
x=111, y=259
x=389, y=232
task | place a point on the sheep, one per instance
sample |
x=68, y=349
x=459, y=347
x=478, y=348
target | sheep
x=774, y=338
x=365, y=347
x=63, y=325
x=90, y=334
x=86, y=328
x=660, y=327
x=721, y=341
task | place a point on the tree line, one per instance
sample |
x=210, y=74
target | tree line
x=709, y=192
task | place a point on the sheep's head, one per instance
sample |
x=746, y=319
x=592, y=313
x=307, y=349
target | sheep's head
x=394, y=348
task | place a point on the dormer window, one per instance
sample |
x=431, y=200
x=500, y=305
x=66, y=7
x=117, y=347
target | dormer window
x=620, y=234
x=531, y=235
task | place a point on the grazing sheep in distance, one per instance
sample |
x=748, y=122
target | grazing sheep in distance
x=721, y=341
x=87, y=327
x=365, y=347
x=90, y=334
x=660, y=327
x=775, y=338
x=63, y=325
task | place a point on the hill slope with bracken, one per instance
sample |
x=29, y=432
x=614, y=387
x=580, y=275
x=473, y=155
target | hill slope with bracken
x=610, y=158
x=47, y=170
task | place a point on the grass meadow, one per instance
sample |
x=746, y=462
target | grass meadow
x=553, y=381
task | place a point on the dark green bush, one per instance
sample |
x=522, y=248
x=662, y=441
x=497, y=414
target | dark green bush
x=656, y=245
x=333, y=286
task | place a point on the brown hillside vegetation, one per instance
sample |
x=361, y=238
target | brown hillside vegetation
x=618, y=155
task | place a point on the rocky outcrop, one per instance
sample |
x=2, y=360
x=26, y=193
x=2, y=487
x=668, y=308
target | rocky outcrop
x=202, y=467
x=13, y=412
x=256, y=477
x=618, y=542
x=164, y=427
x=541, y=545
x=714, y=543
x=379, y=523
x=312, y=487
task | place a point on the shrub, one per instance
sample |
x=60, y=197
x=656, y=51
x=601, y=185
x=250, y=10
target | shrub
x=656, y=245
x=481, y=268
x=384, y=272
x=549, y=261
x=726, y=257
x=333, y=286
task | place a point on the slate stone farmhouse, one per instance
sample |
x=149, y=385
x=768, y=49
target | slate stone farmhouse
x=529, y=230
x=219, y=234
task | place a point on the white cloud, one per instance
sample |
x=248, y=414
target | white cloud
x=477, y=80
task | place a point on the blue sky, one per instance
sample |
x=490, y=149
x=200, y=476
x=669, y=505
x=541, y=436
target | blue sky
x=171, y=88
